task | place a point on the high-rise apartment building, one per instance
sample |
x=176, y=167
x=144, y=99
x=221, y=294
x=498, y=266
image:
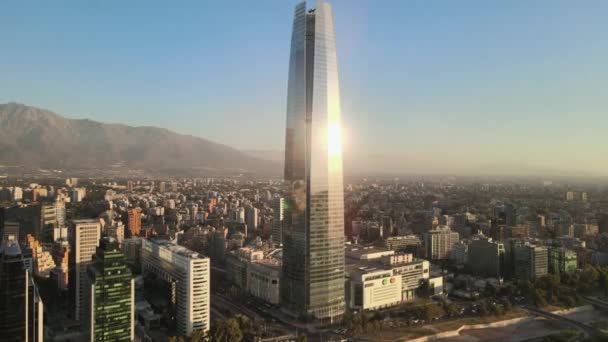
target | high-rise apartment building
x=190, y=272
x=16, y=193
x=135, y=221
x=438, y=242
x=562, y=260
x=60, y=252
x=21, y=308
x=84, y=238
x=112, y=295
x=77, y=194
x=48, y=219
x=72, y=181
x=251, y=218
x=313, y=230
x=277, y=224
x=131, y=248
x=570, y=196
x=486, y=258
x=531, y=262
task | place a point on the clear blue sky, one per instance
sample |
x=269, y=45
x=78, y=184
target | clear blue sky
x=426, y=85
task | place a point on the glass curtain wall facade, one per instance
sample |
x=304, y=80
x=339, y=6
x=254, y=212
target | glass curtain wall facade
x=313, y=213
x=112, y=295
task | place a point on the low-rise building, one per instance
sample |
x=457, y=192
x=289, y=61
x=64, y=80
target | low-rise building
x=412, y=272
x=237, y=262
x=371, y=288
x=263, y=280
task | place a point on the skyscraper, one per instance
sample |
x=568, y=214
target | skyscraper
x=84, y=238
x=251, y=218
x=52, y=216
x=112, y=294
x=21, y=309
x=313, y=231
x=277, y=225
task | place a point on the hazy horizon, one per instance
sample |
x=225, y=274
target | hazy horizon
x=470, y=87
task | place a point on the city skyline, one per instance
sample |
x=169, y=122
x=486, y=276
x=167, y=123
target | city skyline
x=441, y=173
x=488, y=88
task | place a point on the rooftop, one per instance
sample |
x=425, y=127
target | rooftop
x=357, y=252
x=10, y=248
x=80, y=221
x=179, y=250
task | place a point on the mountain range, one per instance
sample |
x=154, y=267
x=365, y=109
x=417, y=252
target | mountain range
x=36, y=137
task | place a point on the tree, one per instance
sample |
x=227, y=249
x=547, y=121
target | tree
x=199, y=336
x=588, y=279
x=451, y=309
x=603, y=280
x=226, y=331
x=176, y=339
x=484, y=308
x=538, y=298
x=430, y=311
x=490, y=290
x=348, y=320
x=550, y=284
x=246, y=325
x=506, y=304
x=497, y=309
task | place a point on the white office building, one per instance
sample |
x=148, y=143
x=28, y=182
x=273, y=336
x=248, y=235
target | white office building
x=191, y=272
x=84, y=238
x=372, y=288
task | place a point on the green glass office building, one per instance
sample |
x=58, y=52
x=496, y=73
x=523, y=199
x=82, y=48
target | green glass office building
x=111, y=294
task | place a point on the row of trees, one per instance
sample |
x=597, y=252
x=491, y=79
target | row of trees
x=365, y=323
x=562, y=290
x=233, y=329
x=230, y=329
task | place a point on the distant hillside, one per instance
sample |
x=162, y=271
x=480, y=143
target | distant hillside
x=270, y=155
x=39, y=138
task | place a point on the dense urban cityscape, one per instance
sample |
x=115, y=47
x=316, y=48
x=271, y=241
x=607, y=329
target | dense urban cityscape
x=316, y=254
x=176, y=257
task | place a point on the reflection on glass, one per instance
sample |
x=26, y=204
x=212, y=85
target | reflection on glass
x=313, y=236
